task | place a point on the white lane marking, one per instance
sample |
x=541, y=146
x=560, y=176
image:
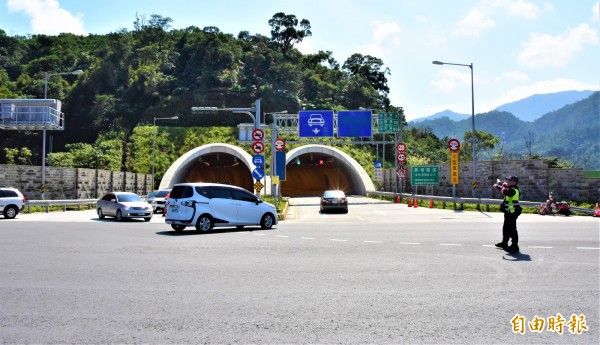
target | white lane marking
x=380, y=212
x=260, y=234
x=282, y=236
x=307, y=238
x=408, y=243
x=585, y=248
x=450, y=244
x=539, y=247
x=337, y=240
x=488, y=245
x=360, y=218
x=372, y=241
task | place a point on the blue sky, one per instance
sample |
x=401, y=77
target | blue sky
x=518, y=47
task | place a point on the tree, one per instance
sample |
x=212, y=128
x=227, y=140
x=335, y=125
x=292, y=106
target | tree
x=371, y=69
x=284, y=31
x=484, y=142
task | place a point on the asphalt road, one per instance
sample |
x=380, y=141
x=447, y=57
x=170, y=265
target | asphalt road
x=383, y=273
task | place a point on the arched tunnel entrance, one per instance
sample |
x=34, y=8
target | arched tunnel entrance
x=220, y=167
x=310, y=169
x=310, y=174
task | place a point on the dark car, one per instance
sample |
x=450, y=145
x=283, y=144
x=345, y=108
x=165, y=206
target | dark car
x=334, y=200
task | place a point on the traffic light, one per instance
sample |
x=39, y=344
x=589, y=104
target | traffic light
x=297, y=161
x=320, y=162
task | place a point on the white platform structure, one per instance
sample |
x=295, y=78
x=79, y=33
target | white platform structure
x=31, y=114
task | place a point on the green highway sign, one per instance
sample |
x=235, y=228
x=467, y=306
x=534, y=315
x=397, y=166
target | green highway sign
x=425, y=176
x=387, y=122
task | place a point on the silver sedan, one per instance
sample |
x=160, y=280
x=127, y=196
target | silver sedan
x=123, y=205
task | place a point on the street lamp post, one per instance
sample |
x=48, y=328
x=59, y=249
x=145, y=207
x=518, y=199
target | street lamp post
x=154, y=141
x=46, y=76
x=472, y=117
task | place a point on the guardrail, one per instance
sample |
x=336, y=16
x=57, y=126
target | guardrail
x=459, y=200
x=64, y=203
x=478, y=201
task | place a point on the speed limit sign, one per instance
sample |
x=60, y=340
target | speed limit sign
x=401, y=147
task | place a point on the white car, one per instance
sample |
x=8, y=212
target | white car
x=12, y=201
x=208, y=205
x=316, y=120
x=157, y=199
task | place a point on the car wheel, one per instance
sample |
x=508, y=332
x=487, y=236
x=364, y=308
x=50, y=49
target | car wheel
x=100, y=214
x=10, y=212
x=267, y=221
x=147, y=219
x=204, y=223
x=119, y=216
x=177, y=228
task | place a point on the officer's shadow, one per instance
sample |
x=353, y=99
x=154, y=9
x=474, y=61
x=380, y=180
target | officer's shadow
x=518, y=256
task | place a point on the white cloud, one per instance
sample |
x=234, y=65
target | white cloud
x=450, y=79
x=474, y=23
x=524, y=9
x=596, y=11
x=385, y=37
x=547, y=50
x=47, y=17
x=546, y=86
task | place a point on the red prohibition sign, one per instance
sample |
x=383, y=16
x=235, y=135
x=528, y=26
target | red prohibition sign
x=258, y=147
x=401, y=147
x=279, y=144
x=454, y=145
x=401, y=158
x=258, y=134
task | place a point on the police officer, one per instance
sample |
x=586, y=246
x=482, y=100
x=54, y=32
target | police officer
x=511, y=208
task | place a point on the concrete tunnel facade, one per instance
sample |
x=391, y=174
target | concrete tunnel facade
x=310, y=169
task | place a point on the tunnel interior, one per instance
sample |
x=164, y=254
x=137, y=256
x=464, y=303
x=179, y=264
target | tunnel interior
x=220, y=167
x=310, y=174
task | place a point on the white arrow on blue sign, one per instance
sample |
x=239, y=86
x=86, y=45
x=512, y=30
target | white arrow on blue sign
x=258, y=160
x=377, y=164
x=258, y=173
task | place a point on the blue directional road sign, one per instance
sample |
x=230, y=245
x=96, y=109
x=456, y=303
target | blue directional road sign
x=280, y=164
x=258, y=173
x=355, y=123
x=315, y=123
x=377, y=163
x=258, y=160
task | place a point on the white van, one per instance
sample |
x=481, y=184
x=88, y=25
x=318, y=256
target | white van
x=208, y=205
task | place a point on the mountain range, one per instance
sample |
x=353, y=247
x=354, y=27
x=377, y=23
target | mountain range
x=526, y=109
x=570, y=132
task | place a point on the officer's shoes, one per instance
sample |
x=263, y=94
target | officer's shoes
x=502, y=245
x=513, y=248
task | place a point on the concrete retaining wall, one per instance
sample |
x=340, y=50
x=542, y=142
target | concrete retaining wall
x=72, y=183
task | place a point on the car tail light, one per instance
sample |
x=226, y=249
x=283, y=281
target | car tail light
x=325, y=201
x=344, y=200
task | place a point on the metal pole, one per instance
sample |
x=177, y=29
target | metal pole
x=44, y=142
x=473, y=129
x=153, y=144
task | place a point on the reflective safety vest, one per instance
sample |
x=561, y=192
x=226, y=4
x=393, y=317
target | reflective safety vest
x=512, y=201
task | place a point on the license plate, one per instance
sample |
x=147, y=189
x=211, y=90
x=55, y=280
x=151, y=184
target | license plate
x=173, y=209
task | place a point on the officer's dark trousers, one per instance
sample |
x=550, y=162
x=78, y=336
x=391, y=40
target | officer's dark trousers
x=509, y=229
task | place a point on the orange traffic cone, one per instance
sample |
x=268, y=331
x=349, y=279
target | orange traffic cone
x=596, y=211
x=430, y=203
x=409, y=203
x=398, y=200
x=416, y=203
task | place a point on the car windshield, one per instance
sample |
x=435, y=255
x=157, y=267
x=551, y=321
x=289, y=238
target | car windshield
x=128, y=198
x=162, y=193
x=334, y=194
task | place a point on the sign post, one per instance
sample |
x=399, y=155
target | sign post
x=454, y=147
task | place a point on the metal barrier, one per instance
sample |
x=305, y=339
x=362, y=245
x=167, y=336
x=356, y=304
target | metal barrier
x=64, y=203
x=459, y=200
